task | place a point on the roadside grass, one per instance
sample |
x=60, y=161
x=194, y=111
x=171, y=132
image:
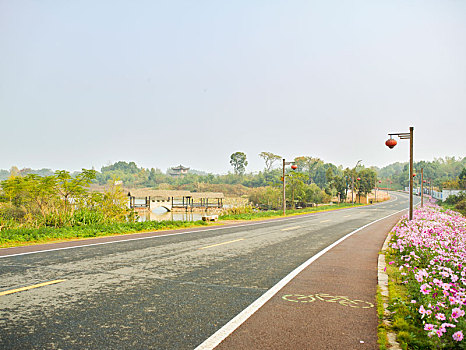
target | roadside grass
x=16, y=237
x=453, y=207
x=381, y=329
x=289, y=212
x=404, y=323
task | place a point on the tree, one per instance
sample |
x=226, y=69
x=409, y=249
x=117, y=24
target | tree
x=268, y=197
x=34, y=193
x=269, y=159
x=72, y=187
x=340, y=183
x=295, y=187
x=238, y=162
x=308, y=165
x=367, y=183
x=314, y=194
x=462, y=179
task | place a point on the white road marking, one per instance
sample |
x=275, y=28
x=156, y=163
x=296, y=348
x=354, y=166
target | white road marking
x=216, y=245
x=216, y=338
x=290, y=228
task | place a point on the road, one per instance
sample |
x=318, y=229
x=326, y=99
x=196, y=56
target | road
x=166, y=292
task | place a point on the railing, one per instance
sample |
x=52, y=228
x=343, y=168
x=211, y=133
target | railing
x=197, y=205
x=137, y=205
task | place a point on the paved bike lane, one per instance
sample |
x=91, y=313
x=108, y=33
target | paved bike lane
x=329, y=305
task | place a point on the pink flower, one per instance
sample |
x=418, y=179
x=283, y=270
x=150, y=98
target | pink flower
x=440, y=317
x=457, y=312
x=428, y=327
x=425, y=289
x=458, y=336
x=444, y=325
x=422, y=311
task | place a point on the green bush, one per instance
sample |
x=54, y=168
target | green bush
x=454, y=199
x=461, y=207
x=11, y=212
x=86, y=216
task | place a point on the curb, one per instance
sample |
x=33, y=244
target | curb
x=383, y=284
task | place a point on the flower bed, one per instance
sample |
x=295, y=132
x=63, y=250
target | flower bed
x=430, y=254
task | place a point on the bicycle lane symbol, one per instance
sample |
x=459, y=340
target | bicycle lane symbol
x=342, y=300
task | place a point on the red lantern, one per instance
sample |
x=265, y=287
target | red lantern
x=414, y=175
x=294, y=167
x=359, y=179
x=390, y=143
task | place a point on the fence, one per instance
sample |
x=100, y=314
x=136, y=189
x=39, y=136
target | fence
x=442, y=195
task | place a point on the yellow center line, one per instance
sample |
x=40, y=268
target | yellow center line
x=290, y=228
x=215, y=245
x=11, y=291
x=325, y=221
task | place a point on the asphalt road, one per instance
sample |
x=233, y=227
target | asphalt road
x=166, y=292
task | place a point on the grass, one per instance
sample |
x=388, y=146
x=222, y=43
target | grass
x=16, y=237
x=453, y=207
x=409, y=331
x=381, y=329
x=289, y=212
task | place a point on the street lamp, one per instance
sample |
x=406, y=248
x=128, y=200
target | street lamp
x=392, y=143
x=422, y=187
x=294, y=167
x=359, y=189
x=352, y=177
x=376, y=188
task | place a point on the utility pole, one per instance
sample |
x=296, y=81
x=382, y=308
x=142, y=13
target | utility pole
x=411, y=170
x=352, y=176
x=375, y=190
x=422, y=187
x=283, y=179
x=284, y=197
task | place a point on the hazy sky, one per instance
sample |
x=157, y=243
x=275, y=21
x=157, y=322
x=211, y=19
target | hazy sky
x=88, y=83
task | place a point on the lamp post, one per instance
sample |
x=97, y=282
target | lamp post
x=283, y=180
x=422, y=187
x=352, y=177
x=359, y=187
x=392, y=143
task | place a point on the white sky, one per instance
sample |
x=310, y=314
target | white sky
x=88, y=83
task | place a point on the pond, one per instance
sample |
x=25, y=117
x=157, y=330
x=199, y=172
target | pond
x=161, y=214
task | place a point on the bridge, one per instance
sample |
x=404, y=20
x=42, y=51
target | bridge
x=170, y=199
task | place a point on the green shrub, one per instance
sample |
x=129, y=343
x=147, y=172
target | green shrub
x=11, y=212
x=86, y=216
x=454, y=199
